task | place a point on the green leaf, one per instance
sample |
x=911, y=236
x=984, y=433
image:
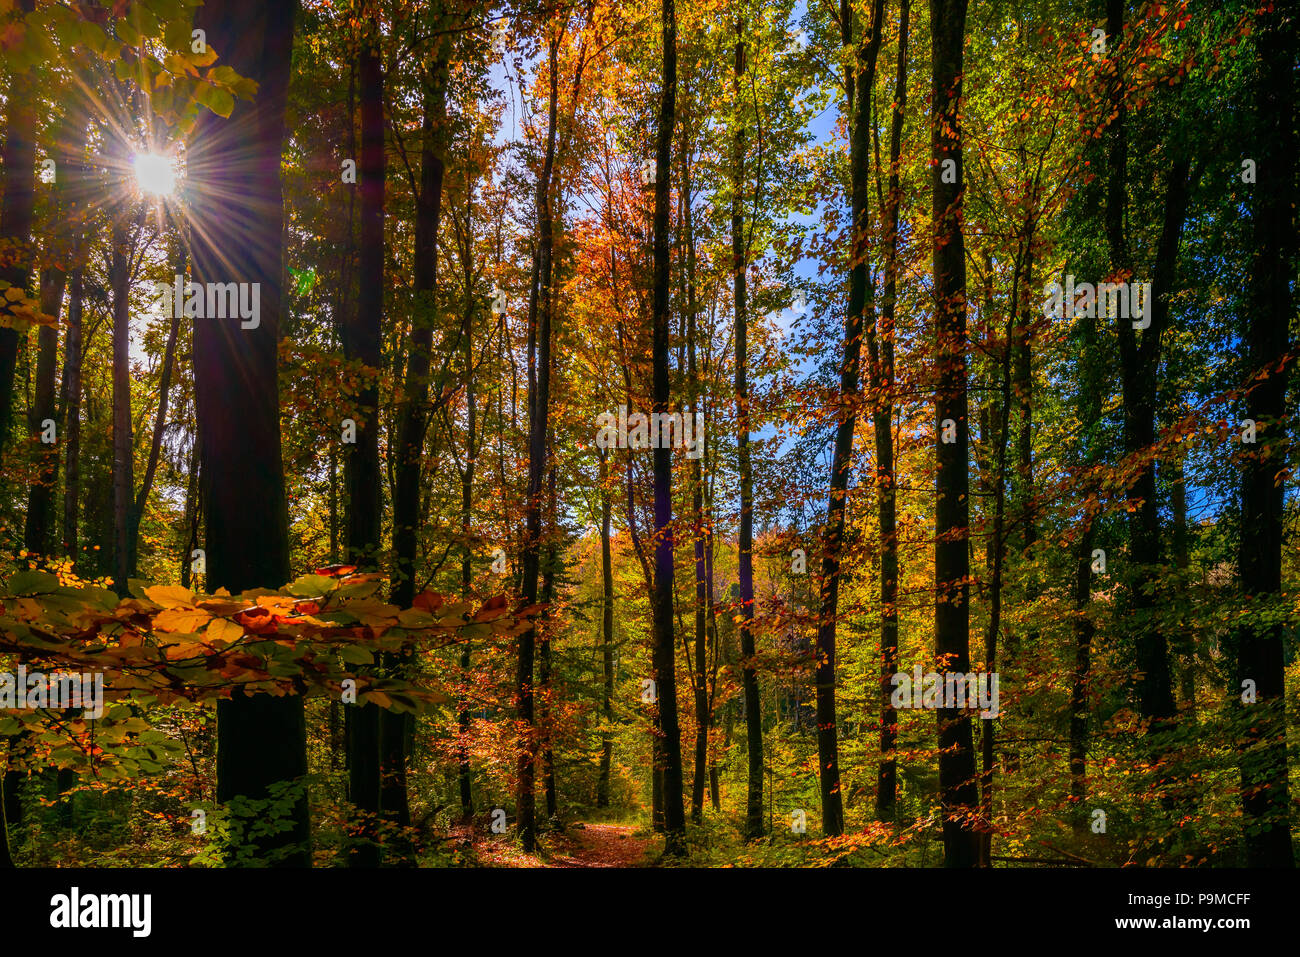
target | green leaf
x=308, y=586
x=32, y=583
x=224, y=75
x=219, y=101
x=356, y=655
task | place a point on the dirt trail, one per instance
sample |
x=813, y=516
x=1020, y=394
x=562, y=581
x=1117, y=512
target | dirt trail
x=579, y=845
x=601, y=845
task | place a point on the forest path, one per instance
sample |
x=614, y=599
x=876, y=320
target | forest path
x=601, y=845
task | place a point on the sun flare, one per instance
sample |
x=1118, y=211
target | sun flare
x=155, y=174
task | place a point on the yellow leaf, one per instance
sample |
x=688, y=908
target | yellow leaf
x=181, y=619
x=170, y=596
x=188, y=649
x=220, y=629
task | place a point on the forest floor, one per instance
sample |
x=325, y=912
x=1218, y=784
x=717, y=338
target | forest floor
x=602, y=845
x=578, y=845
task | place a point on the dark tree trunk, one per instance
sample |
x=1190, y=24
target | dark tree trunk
x=238, y=236
x=539, y=407
x=123, y=441
x=544, y=675
x=413, y=418
x=1139, y=365
x=606, y=638
x=996, y=543
x=136, y=514
x=1264, y=785
x=745, y=572
x=396, y=728
x=363, y=343
x=193, y=516
x=860, y=305
x=72, y=417
x=16, y=210
x=668, y=738
x=1090, y=391
x=882, y=385
x=38, y=533
x=467, y=503
x=958, y=792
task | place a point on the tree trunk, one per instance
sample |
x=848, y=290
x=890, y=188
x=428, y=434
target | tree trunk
x=193, y=516
x=861, y=296
x=363, y=343
x=606, y=638
x=882, y=385
x=958, y=793
x=238, y=236
x=1264, y=785
x=748, y=671
x=668, y=738
x=539, y=408
x=396, y=728
x=123, y=441
x=544, y=676
x=16, y=210
x=1090, y=391
x=1139, y=365
x=38, y=532
x=72, y=416
x=463, y=717
x=136, y=514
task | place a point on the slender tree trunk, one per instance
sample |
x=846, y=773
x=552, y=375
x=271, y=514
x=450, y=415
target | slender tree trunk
x=606, y=637
x=72, y=418
x=544, y=676
x=539, y=408
x=1264, y=784
x=715, y=796
x=62, y=247
x=1091, y=388
x=238, y=236
x=1022, y=347
x=748, y=671
x=16, y=210
x=698, y=657
x=996, y=551
x=668, y=738
x=413, y=419
x=136, y=513
x=1139, y=365
x=860, y=305
x=38, y=532
x=396, y=728
x=882, y=364
x=193, y=516
x=123, y=441
x=958, y=792
x=362, y=343
x=467, y=505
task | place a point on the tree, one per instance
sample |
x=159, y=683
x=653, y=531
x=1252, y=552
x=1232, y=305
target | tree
x=668, y=750
x=858, y=90
x=740, y=266
x=1264, y=785
x=16, y=205
x=234, y=169
x=413, y=417
x=952, y=518
x=539, y=408
x=880, y=343
x=362, y=341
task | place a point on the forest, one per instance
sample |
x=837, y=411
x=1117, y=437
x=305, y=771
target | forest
x=653, y=433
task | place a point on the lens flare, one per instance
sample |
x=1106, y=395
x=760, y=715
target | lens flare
x=155, y=174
